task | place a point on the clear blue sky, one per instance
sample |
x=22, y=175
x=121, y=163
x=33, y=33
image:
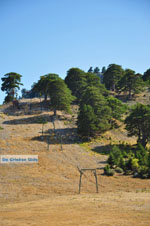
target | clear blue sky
x=51, y=36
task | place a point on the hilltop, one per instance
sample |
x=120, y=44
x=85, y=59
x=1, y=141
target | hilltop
x=51, y=186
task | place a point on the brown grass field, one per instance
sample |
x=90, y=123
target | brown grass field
x=46, y=193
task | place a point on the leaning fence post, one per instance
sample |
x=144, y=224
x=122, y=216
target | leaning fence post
x=96, y=181
x=80, y=181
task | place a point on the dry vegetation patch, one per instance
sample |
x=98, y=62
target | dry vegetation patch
x=47, y=193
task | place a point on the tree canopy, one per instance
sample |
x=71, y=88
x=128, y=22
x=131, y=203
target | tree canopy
x=117, y=107
x=60, y=95
x=95, y=103
x=131, y=83
x=112, y=76
x=10, y=84
x=43, y=85
x=94, y=80
x=76, y=82
x=138, y=123
x=87, y=121
x=90, y=70
x=146, y=76
x=53, y=86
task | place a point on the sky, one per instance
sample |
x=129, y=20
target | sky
x=38, y=37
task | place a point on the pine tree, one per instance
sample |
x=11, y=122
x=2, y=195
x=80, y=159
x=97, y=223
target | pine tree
x=60, y=96
x=101, y=112
x=90, y=70
x=11, y=83
x=94, y=80
x=131, y=83
x=103, y=70
x=112, y=76
x=146, y=76
x=96, y=71
x=76, y=82
x=43, y=84
x=138, y=123
x=117, y=107
x=87, y=121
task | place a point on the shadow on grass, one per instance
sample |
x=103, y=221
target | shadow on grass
x=29, y=120
x=60, y=136
x=103, y=150
x=27, y=108
x=106, y=149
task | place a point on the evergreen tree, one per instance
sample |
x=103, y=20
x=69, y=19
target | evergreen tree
x=146, y=76
x=87, y=121
x=96, y=71
x=94, y=80
x=117, y=107
x=90, y=70
x=112, y=76
x=93, y=97
x=10, y=84
x=131, y=83
x=103, y=70
x=138, y=123
x=29, y=93
x=60, y=96
x=43, y=85
x=76, y=82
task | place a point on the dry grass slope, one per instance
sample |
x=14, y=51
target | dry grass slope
x=47, y=193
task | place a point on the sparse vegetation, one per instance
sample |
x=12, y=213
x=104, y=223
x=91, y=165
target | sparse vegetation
x=98, y=110
x=135, y=161
x=108, y=170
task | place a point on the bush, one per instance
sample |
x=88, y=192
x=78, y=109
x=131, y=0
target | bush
x=134, y=164
x=144, y=172
x=115, y=157
x=141, y=154
x=108, y=171
x=130, y=160
x=119, y=170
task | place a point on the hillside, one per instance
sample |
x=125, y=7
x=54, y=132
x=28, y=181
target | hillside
x=36, y=194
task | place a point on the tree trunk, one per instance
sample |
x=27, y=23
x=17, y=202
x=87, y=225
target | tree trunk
x=129, y=94
x=113, y=87
x=45, y=97
x=55, y=112
x=143, y=141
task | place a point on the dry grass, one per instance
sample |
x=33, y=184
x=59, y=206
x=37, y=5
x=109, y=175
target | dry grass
x=47, y=193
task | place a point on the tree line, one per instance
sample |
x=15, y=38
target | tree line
x=98, y=110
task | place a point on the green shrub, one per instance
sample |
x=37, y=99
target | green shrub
x=115, y=157
x=128, y=164
x=144, y=172
x=119, y=170
x=134, y=164
x=108, y=171
x=142, y=155
x=130, y=159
